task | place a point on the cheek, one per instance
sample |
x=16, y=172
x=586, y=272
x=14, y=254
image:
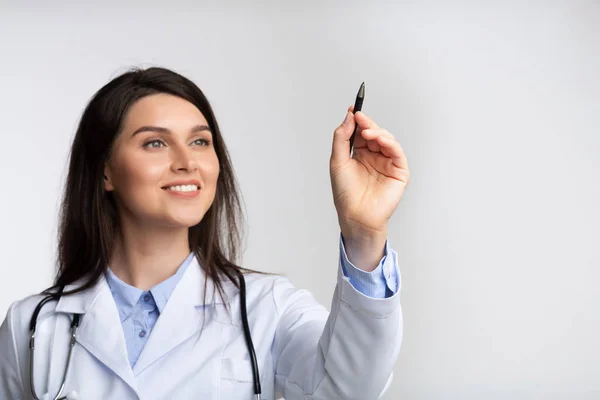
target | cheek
x=210, y=170
x=138, y=176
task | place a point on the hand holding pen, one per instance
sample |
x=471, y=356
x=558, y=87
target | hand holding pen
x=369, y=173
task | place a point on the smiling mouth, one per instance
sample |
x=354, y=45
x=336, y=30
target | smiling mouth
x=182, y=188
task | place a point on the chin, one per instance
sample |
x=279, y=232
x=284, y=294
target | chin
x=177, y=221
x=184, y=222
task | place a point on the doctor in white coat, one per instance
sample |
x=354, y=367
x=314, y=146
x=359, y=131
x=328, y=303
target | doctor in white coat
x=147, y=242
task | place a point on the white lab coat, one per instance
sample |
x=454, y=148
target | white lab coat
x=303, y=351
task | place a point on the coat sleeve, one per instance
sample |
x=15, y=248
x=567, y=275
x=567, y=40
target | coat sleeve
x=10, y=381
x=348, y=353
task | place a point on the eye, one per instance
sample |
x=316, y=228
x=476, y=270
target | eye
x=153, y=144
x=202, y=142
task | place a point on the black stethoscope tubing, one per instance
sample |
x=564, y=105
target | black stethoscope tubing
x=75, y=326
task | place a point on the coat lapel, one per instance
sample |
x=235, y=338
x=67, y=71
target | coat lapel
x=182, y=316
x=100, y=331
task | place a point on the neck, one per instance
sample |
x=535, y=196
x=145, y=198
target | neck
x=144, y=257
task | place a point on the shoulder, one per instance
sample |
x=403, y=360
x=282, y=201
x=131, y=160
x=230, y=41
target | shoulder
x=14, y=339
x=261, y=284
x=19, y=313
x=16, y=324
x=279, y=292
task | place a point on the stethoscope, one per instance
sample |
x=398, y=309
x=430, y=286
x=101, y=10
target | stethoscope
x=75, y=326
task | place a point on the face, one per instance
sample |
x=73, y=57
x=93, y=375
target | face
x=163, y=170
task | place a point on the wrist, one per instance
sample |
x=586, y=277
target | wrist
x=364, y=250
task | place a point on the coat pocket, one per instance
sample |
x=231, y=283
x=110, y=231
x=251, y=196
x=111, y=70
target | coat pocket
x=237, y=369
x=237, y=380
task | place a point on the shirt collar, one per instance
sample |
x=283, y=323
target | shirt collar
x=163, y=290
x=127, y=296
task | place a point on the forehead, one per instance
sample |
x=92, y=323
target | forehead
x=164, y=110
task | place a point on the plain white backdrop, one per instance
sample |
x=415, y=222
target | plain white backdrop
x=496, y=104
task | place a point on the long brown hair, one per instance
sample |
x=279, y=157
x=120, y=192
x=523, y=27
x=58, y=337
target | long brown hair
x=88, y=217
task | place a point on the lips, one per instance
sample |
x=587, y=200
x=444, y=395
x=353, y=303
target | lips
x=187, y=182
x=183, y=192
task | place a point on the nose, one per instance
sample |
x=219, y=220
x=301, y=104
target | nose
x=183, y=159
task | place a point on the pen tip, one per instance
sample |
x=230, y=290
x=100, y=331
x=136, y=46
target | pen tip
x=361, y=91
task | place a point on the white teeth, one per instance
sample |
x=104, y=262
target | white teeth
x=183, y=188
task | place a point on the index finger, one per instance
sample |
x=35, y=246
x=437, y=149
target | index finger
x=363, y=121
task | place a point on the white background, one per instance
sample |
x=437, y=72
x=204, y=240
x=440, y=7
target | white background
x=496, y=104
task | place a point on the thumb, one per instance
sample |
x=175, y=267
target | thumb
x=340, y=151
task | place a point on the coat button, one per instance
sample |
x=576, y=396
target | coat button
x=142, y=334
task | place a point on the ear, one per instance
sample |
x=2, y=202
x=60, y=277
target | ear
x=108, y=186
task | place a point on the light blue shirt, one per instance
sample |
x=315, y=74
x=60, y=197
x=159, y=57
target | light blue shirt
x=380, y=283
x=139, y=309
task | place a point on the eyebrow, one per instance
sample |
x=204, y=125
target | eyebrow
x=160, y=129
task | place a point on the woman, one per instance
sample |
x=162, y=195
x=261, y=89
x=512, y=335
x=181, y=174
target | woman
x=147, y=249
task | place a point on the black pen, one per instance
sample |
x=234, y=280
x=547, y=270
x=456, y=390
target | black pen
x=357, y=107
